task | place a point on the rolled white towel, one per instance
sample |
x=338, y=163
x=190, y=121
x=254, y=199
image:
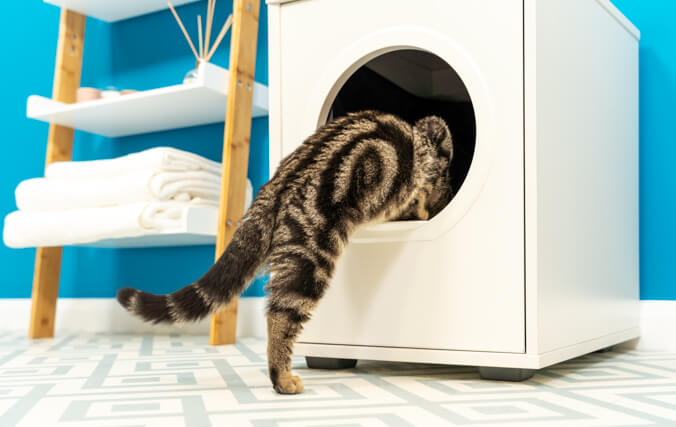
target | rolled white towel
x=159, y=159
x=47, y=194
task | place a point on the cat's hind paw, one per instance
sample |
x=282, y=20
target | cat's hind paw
x=289, y=385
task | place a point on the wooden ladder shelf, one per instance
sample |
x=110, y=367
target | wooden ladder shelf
x=235, y=156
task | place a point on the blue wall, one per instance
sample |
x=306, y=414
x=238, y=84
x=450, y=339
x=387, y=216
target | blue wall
x=656, y=20
x=140, y=53
x=149, y=52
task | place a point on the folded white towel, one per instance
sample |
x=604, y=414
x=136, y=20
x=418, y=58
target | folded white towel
x=47, y=194
x=159, y=159
x=24, y=229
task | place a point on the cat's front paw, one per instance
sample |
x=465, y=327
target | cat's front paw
x=288, y=385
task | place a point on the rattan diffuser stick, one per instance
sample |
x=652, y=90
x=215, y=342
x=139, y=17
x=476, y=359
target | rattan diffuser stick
x=210, y=19
x=224, y=30
x=185, y=33
x=199, y=34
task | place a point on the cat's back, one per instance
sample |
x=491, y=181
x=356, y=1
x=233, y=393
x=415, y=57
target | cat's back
x=360, y=126
x=368, y=145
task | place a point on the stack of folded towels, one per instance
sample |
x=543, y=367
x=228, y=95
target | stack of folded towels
x=142, y=193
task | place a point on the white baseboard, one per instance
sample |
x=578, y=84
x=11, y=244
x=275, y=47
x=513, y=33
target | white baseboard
x=106, y=315
x=658, y=327
x=658, y=320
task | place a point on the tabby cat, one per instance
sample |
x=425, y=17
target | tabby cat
x=362, y=168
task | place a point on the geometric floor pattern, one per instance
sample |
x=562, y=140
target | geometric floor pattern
x=94, y=380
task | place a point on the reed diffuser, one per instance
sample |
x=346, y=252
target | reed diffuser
x=206, y=51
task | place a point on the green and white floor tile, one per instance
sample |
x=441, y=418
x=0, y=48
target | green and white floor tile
x=140, y=380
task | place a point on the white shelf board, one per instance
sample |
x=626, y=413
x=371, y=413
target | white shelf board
x=199, y=227
x=170, y=238
x=115, y=10
x=198, y=103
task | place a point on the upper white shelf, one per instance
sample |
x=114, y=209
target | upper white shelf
x=198, y=103
x=115, y=10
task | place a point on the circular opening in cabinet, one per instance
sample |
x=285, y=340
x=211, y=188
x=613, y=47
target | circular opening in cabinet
x=412, y=84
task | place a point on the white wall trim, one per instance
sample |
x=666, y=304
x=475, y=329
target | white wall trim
x=106, y=315
x=658, y=320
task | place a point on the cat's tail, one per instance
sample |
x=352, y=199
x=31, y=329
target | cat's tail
x=226, y=279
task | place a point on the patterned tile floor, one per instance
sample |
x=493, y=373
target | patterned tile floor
x=139, y=380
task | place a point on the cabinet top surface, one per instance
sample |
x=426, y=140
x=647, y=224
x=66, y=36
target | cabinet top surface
x=606, y=4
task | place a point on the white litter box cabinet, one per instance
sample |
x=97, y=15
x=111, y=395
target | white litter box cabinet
x=535, y=260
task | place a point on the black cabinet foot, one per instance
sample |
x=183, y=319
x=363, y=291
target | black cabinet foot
x=505, y=374
x=329, y=363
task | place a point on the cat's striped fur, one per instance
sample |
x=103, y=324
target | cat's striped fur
x=362, y=168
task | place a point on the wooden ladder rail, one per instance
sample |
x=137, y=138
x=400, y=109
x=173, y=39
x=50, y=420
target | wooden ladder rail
x=236, y=147
x=59, y=148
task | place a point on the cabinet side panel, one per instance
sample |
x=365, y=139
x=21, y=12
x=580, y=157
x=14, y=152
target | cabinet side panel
x=587, y=174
